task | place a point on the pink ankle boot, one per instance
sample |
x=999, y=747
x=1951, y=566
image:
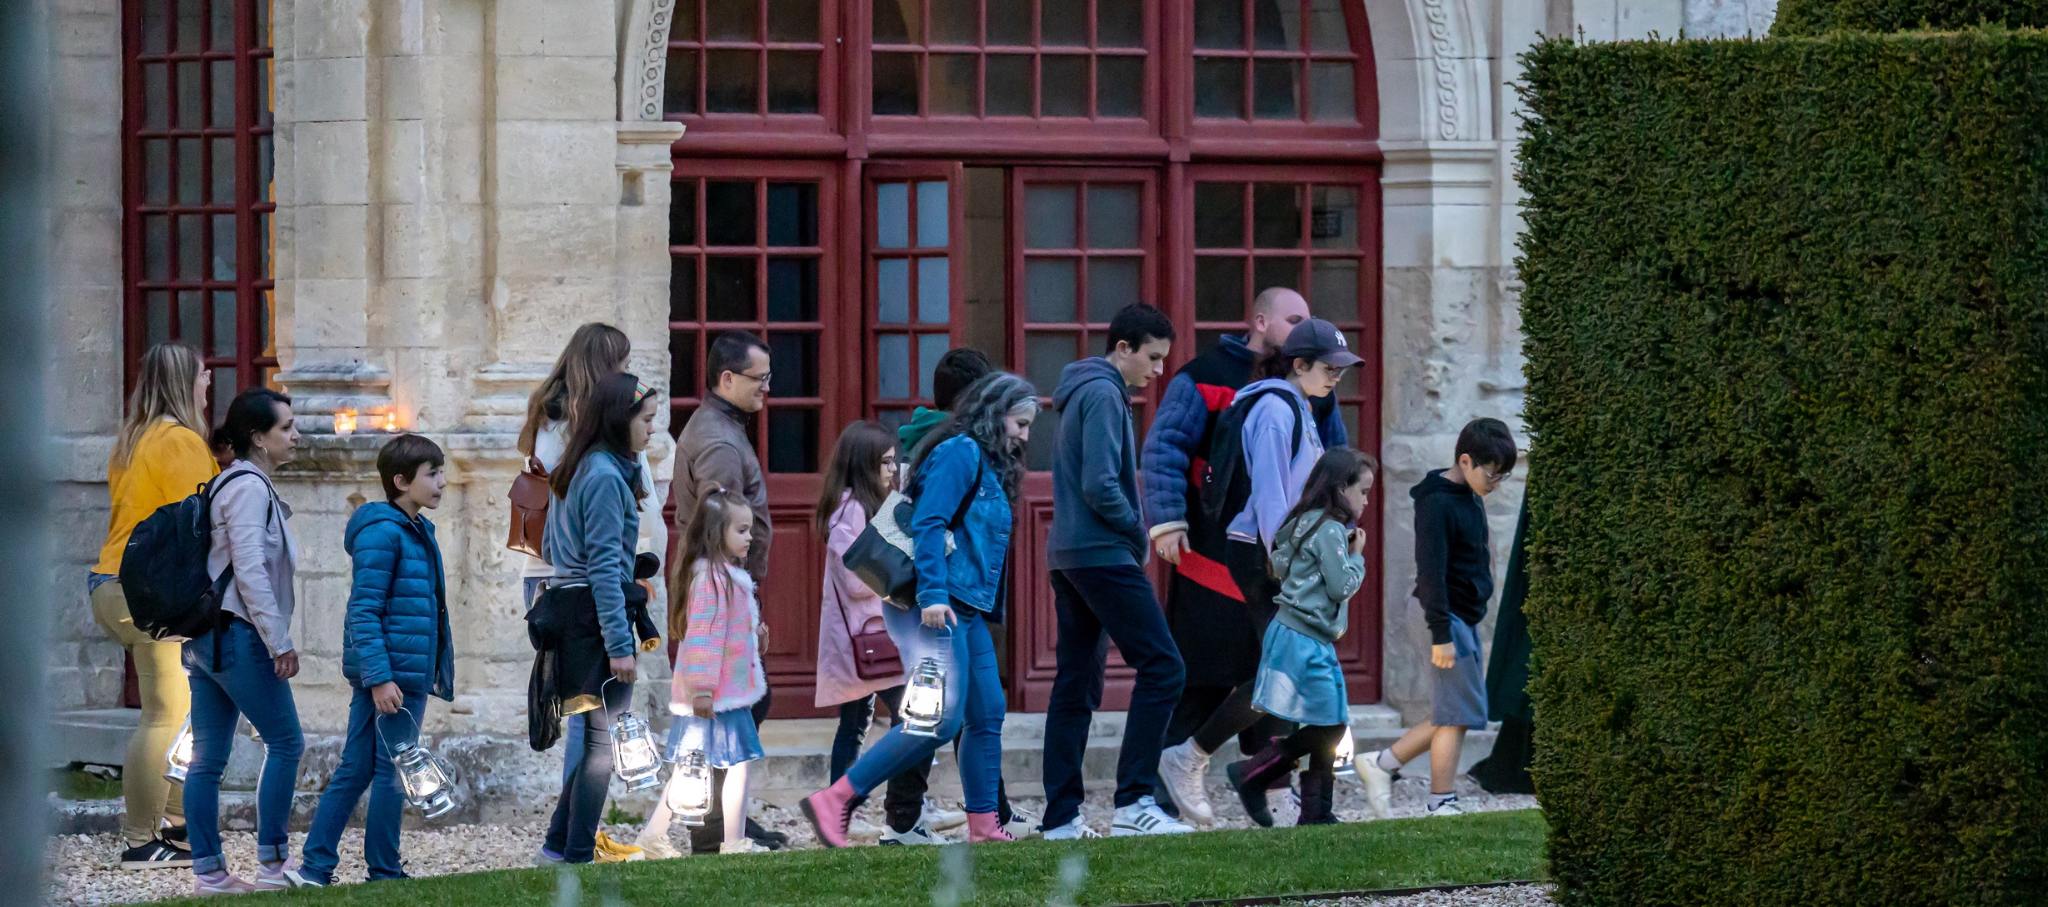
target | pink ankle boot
x=985, y=827
x=830, y=811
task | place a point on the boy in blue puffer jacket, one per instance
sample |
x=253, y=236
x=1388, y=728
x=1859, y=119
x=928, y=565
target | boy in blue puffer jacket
x=396, y=651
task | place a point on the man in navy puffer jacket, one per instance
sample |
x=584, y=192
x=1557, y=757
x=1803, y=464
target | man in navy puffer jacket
x=396, y=651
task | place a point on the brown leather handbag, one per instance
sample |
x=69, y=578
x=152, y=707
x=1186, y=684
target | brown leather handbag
x=529, y=510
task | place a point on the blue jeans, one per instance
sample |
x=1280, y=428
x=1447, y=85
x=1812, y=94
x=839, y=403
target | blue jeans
x=974, y=699
x=572, y=830
x=245, y=684
x=1097, y=606
x=365, y=766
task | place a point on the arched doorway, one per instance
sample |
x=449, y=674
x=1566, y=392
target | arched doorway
x=867, y=184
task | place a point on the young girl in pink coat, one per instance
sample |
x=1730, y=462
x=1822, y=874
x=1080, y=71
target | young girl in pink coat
x=718, y=674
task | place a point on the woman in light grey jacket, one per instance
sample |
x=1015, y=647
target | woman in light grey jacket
x=243, y=666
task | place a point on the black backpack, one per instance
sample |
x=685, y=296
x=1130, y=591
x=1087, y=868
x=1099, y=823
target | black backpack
x=163, y=569
x=1226, y=487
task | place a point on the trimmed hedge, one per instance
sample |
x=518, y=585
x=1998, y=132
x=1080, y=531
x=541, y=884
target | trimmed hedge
x=1786, y=319
x=1813, y=17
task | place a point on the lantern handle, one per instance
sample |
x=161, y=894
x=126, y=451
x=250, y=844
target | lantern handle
x=377, y=724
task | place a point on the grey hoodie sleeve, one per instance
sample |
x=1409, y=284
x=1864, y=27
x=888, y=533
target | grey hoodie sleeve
x=1103, y=459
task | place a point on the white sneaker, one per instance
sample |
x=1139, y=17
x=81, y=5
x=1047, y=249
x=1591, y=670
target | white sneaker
x=1146, y=818
x=919, y=835
x=863, y=829
x=743, y=845
x=657, y=847
x=943, y=819
x=1184, y=770
x=1448, y=808
x=1379, y=785
x=1072, y=831
x=1023, y=823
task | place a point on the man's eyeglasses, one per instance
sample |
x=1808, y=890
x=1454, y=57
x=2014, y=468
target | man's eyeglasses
x=765, y=378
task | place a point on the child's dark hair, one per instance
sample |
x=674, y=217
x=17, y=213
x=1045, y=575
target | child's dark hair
x=955, y=371
x=253, y=412
x=1340, y=468
x=1489, y=443
x=606, y=422
x=704, y=540
x=219, y=439
x=403, y=456
x=1136, y=325
x=857, y=468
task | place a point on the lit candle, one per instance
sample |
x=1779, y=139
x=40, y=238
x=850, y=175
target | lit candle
x=391, y=421
x=345, y=422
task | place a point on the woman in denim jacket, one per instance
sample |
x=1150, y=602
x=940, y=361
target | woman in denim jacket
x=979, y=452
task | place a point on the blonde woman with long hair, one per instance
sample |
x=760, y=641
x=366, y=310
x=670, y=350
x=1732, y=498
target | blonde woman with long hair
x=160, y=456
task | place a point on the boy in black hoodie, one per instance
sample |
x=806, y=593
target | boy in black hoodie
x=1453, y=581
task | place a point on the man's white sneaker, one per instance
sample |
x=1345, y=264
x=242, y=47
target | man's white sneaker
x=1447, y=808
x=1146, y=818
x=943, y=819
x=919, y=835
x=657, y=847
x=1023, y=823
x=1184, y=770
x=1379, y=785
x=1072, y=831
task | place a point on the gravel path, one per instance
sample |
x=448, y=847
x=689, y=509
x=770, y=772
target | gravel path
x=1510, y=896
x=84, y=869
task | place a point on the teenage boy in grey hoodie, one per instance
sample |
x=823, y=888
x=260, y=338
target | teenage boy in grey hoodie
x=1097, y=553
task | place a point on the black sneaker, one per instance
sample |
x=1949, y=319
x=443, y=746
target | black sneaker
x=155, y=855
x=773, y=840
x=177, y=836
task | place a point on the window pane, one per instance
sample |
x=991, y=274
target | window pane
x=792, y=289
x=682, y=367
x=156, y=95
x=157, y=318
x=734, y=83
x=191, y=98
x=729, y=288
x=1219, y=289
x=1049, y=217
x=794, y=358
x=192, y=319
x=1207, y=340
x=1066, y=80
x=224, y=390
x=269, y=342
x=892, y=291
x=221, y=91
x=1333, y=222
x=793, y=440
x=156, y=246
x=1064, y=23
x=729, y=212
x=930, y=348
x=1049, y=290
x=1009, y=23
x=934, y=290
x=264, y=240
x=224, y=323
x=685, y=27
x=222, y=18
x=1045, y=438
x=1333, y=289
x=1331, y=93
x=1219, y=215
x=262, y=93
x=1327, y=32
x=897, y=22
x=1112, y=217
x=191, y=21
x=1354, y=380
x=223, y=247
x=892, y=366
x=191, y=166
x=731, y=20
x=959, y=21
x=1278, y=272
x=1275, y=24
x=933, y=219
x=1273, y=89
x=892, y=215
x=1219, y=24
x=682, y=213
x=895, y=84
x=191, y=238
x=156, y=171
x=793, y=20
x=1044, y=356
x=265, y=157
x=792, y=82
x=679, y=84
x=1276, y=216
x=792, y=214
x=1119, y=23
x=1112, y=284
x=954, y=82
x=682, y=290
x=1120, y=86
x=223, y=189
x=1009, y=85
x=1219, y=88
x=156, y=30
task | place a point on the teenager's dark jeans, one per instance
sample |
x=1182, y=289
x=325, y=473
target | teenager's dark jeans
x=572, y=830
x=1097, y=606
x=246, y=683
x=365, y=766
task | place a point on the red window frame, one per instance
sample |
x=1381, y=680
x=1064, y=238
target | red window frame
x=1224, y=135
x=875, y=254
x=174, y=289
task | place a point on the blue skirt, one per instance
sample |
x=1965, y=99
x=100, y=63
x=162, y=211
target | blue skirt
x=727, y=739
x=1299, y=679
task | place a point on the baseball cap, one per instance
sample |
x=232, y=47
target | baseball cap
x=1319, y=341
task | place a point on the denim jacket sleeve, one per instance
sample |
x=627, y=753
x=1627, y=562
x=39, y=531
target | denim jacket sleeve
x=948, y=478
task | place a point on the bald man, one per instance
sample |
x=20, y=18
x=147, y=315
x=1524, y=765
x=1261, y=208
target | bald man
x=1206, y=611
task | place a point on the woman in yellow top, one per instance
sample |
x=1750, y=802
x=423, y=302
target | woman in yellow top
x=160, y=457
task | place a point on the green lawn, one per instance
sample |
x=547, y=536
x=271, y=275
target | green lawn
x=1403, y=853
x=73, y=784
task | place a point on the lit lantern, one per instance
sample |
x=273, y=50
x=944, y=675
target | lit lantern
x=428, y=779
x=1346, y=749
x=689, y=789
x=634, y=757
x=924, y=700
x=391, y=421
x=344, y=422
x=178, y=759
